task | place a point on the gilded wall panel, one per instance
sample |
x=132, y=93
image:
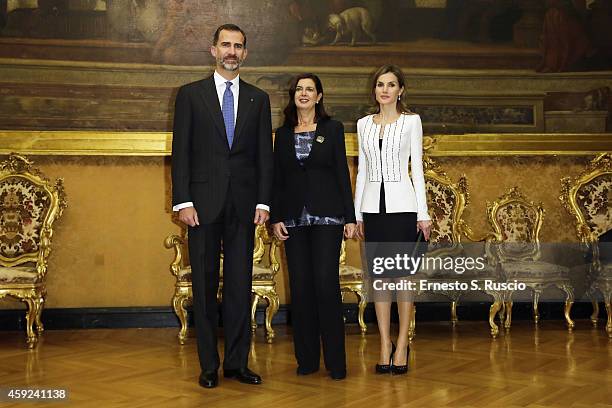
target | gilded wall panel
x=108, y=247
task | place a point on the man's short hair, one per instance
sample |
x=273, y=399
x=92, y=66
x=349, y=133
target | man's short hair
x=229, y=27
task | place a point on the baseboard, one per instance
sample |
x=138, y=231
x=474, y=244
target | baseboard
x=151, y=317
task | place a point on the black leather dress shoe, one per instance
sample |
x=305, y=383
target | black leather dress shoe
x=209, y=379
x=244, y=375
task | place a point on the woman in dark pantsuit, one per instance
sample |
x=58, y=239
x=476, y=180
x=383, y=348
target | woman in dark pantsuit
x=312, y=208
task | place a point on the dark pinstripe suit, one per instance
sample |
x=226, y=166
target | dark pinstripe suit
x=225, y=185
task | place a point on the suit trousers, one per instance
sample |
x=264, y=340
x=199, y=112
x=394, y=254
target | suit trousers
x=316, y=304
x=204, y=253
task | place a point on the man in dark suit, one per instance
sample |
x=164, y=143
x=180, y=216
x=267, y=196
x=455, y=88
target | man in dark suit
x=222, y=180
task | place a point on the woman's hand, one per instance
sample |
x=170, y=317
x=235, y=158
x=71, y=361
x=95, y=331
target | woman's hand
x=359, y=231
x=424, y=226
x=280, y=231
x=349, y=230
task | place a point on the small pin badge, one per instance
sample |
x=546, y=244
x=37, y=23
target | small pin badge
x=320, y=139
x=251, y=99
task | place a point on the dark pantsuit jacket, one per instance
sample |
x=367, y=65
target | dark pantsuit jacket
x=322, y=184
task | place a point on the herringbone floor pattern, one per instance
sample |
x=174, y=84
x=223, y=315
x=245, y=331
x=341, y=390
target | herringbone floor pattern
x=461, y=367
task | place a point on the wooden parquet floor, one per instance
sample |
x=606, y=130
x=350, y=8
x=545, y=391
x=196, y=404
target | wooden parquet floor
x=461, y=367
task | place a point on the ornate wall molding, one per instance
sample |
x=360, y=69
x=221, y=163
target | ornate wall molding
x=103, y=143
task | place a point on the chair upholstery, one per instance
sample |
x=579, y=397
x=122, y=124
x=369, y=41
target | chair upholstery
x=29, y=205
x=446, y=202
x=516, y=223
x=265, y=267
x=588, y=197
x=351, y=280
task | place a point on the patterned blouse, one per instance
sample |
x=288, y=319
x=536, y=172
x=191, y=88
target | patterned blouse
x=303, y=144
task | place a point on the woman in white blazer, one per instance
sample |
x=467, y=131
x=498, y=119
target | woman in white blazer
x=390, y=206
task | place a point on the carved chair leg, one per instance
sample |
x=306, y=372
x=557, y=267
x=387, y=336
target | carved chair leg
x=363, y=302
x=254, y=302
x=342, y=293
x=608, y=301
x=595, y=304
x=412, y=325
x=569, y=301
x=271, y=310
x=609, y=321
x=536, y=313
x=495, y=307
x=454, y=312
x=508, y=307
x=502, y=313
x=220, y=292
x=178, y=303
x=31, y=335
x=39, y=326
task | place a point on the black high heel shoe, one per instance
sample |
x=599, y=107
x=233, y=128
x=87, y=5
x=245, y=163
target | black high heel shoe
x=402, y=369
x=386, y=368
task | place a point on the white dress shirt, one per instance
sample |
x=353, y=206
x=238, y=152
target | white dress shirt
x=220, y=85
x=402, y=147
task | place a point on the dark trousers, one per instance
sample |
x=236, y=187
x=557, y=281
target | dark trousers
x=204, y=254
x=316, y=305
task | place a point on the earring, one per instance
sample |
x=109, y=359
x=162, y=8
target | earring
x=399, y=97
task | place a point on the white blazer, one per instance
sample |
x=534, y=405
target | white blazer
x=401, y=140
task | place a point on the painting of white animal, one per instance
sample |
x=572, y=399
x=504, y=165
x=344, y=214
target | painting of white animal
x=352, y=21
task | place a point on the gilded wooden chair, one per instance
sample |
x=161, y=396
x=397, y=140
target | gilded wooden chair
x=265, y=267
x=29, y=205
x=588, y=197
x=516, y=223
x=447, y=201
x=351, y=280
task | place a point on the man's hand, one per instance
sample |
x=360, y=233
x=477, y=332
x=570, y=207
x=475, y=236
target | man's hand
x=280, y=231
x=261, y=216
x=189, y=216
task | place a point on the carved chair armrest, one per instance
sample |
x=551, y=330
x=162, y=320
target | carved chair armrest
x=489, y=238
x=178, y=243
x=275, y=263
x=43, y=252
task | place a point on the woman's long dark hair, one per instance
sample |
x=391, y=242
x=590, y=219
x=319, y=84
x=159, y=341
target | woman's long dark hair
x=397, y=71
x=291, y=118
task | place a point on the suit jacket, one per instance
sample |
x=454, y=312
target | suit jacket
x=322, y=184
x=204, y=166
x=402, y=147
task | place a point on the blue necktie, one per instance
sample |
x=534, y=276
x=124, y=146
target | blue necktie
x=228, y=112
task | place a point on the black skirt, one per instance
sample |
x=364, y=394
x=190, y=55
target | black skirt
x=386, y=236
x=389, y=227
